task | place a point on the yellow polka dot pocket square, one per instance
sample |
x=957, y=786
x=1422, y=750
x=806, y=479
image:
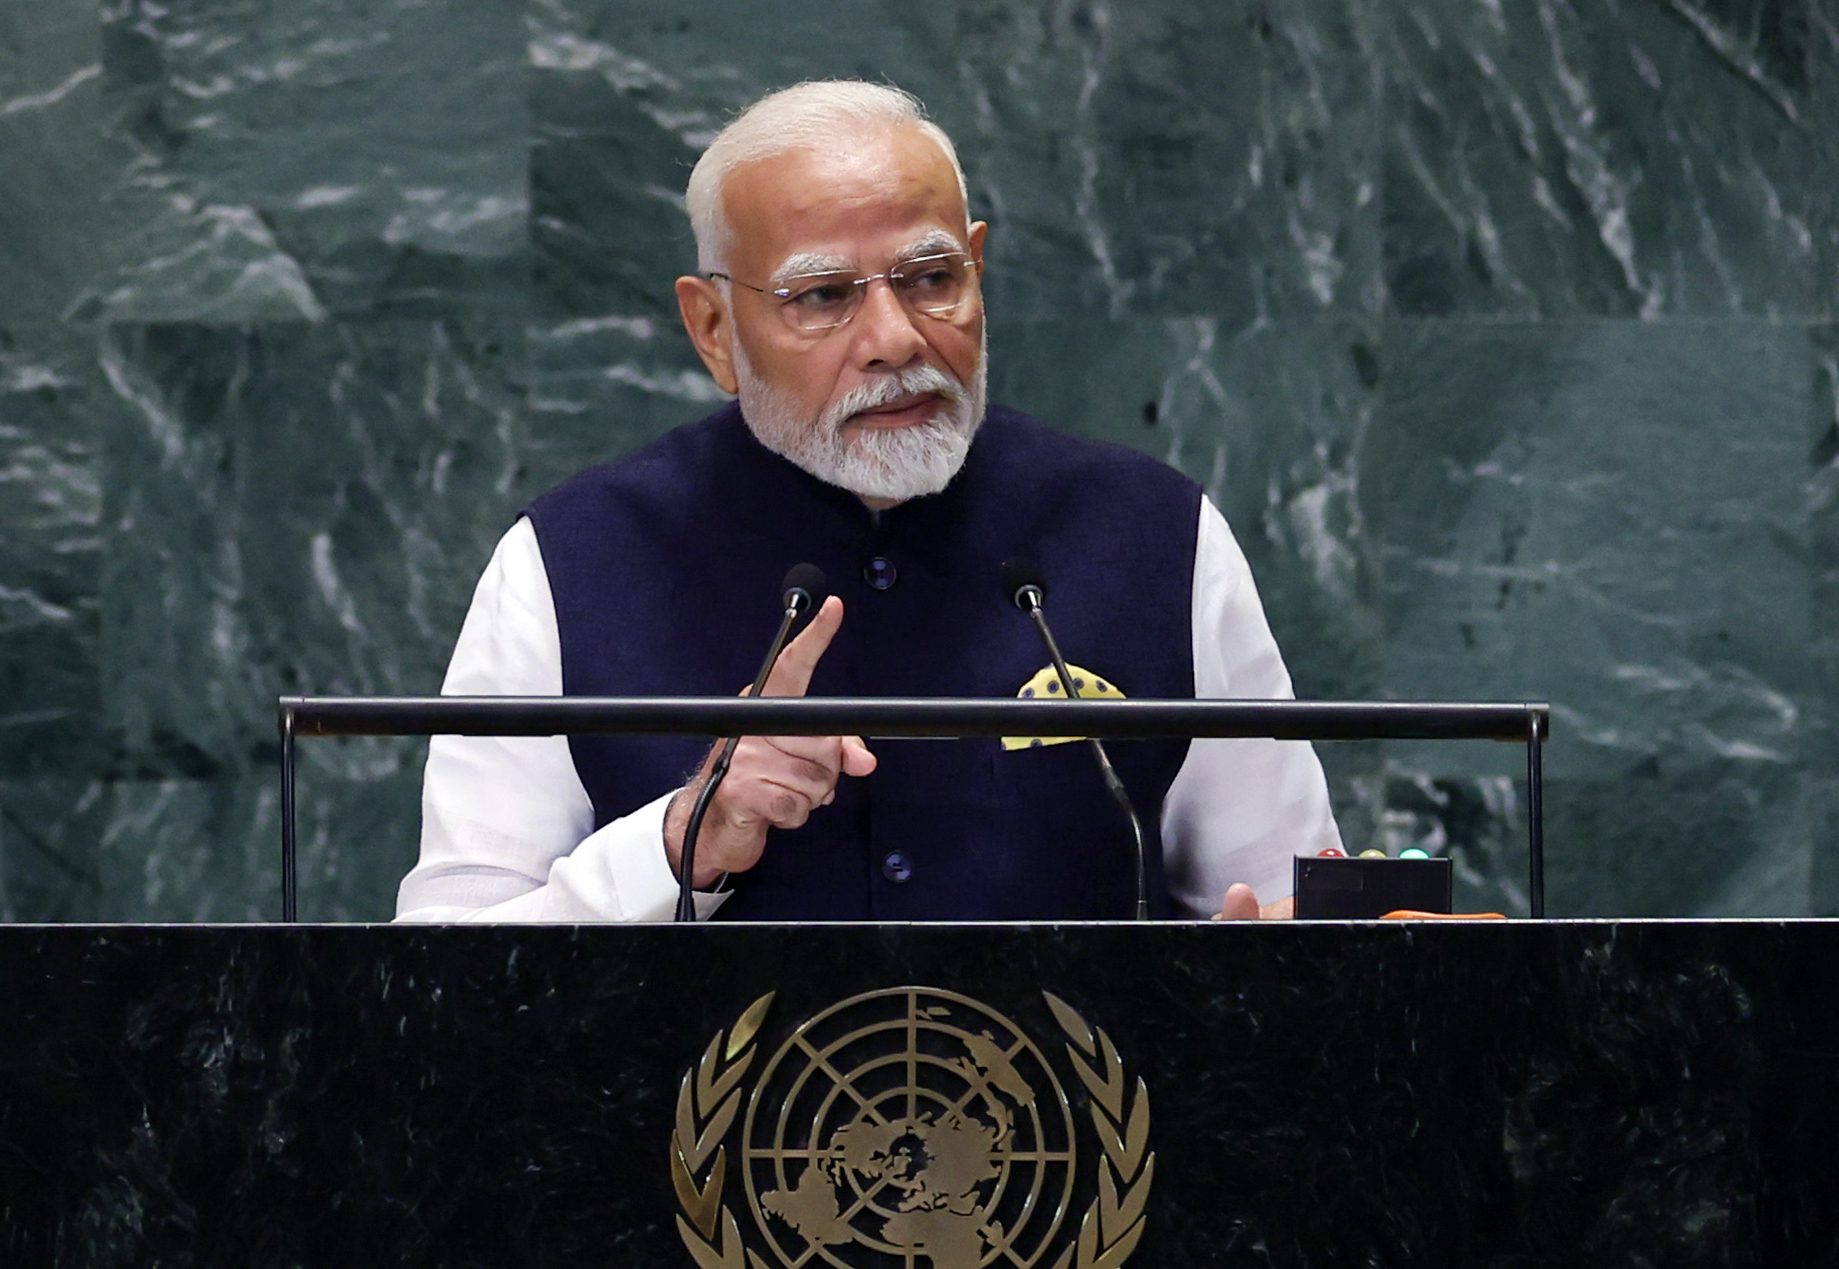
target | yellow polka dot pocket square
x=1045, y=686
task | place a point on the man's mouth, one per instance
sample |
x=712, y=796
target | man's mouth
x=904, y=411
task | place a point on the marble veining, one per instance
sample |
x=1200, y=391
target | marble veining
x=1502, y=332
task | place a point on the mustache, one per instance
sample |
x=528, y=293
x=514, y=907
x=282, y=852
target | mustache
x=887, y=391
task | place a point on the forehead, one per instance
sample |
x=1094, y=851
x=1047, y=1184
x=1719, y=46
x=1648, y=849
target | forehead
x=859, y=201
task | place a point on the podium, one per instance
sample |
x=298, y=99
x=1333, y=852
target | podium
x=1161, y=1095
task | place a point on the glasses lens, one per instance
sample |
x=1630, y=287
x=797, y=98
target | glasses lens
x=819, y=301
x=933, y=284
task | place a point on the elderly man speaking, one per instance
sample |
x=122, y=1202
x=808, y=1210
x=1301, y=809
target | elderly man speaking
x=840, y=299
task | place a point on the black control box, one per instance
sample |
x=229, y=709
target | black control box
x=1330, y=888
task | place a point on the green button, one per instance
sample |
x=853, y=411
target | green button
x=1413, y=852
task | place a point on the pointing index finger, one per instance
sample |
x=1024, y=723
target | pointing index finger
x=791, y=673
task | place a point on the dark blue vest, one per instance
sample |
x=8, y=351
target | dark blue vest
x=666, y=565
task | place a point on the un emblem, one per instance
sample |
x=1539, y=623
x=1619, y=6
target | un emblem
x=907, y=1128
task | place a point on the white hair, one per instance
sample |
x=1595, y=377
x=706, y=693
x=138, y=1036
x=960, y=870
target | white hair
x=817, y=115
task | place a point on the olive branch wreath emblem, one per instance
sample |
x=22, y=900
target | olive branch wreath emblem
x=707, y=1101
x=1114, y=1223
x=711, y=1094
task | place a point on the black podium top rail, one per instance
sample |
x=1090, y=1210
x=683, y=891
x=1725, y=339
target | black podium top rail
x=1526, y=722
x=901, y=716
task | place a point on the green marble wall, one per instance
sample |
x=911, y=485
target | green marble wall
x=1504, y=330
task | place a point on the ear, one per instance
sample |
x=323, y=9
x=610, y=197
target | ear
x=979, y=231
x=710, y=327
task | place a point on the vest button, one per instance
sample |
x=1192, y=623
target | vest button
x=897, y=866
x=880, y=572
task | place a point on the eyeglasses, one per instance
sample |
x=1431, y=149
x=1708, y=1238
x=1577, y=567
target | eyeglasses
x=934, y=285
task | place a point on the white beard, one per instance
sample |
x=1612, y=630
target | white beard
x=893, y=464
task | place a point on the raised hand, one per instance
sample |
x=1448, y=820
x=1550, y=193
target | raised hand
x=773, y=781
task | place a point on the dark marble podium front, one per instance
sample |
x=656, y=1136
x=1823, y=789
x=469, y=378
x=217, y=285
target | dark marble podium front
x=1576, y=1094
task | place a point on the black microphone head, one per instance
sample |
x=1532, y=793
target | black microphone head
x=1019, y=573
x=804, y=586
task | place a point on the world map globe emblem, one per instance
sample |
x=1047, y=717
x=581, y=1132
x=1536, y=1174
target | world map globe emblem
x=910, y=1127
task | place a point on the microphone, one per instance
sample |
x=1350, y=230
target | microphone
x=802, y=591
x=804, y=586
x=1025, y=586
x=1024, y=583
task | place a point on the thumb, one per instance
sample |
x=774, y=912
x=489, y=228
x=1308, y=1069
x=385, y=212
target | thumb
x=857, y=760
x=1240, y=904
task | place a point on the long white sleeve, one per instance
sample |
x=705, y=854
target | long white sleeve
x=1238, y=810
x=507, y=828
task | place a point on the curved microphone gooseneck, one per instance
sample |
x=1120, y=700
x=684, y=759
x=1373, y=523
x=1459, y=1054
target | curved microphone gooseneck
x=803, y=590
x=1025, y=586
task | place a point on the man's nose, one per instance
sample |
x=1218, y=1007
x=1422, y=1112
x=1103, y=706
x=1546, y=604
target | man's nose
x=886, y=335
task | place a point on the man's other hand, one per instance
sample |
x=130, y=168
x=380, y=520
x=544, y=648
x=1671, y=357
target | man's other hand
x=773, y=781
x=1241, y=904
